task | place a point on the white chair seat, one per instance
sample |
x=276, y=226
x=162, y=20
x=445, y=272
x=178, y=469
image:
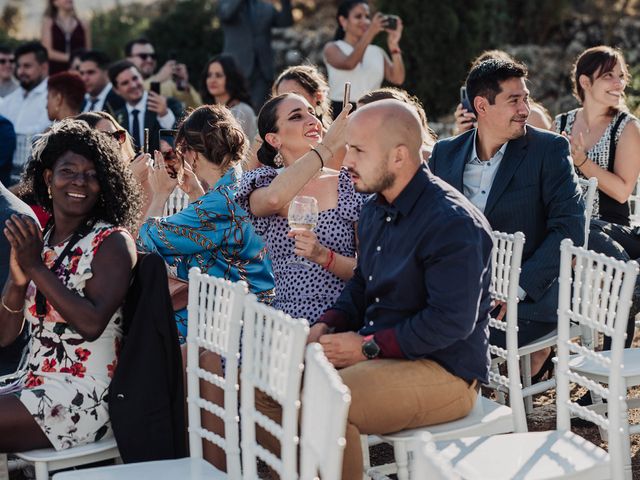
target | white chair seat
x=184, y=469
x=549, y=340
x=48, y=459
x=527, y=456
x=592, y=369
x=486, y=418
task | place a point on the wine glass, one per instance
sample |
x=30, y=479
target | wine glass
x=303, y=215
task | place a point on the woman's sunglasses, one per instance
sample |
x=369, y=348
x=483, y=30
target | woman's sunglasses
x=119, y=136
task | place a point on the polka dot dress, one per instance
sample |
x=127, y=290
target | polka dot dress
x=305, y=292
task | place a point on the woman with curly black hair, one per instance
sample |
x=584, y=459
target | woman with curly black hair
x=222, y=83
x=68, y=285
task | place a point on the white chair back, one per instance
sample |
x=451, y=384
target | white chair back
x=214, y=323
x=596, y=293
x=177, y=201
x=325, y=406
x=589, y=189
x=634, y=206
x=506, y=258
x=272, y=361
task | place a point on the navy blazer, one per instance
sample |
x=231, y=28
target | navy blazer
x=151, y=122
x=536, y=192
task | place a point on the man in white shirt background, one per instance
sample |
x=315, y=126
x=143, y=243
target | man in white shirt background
x=100, y=96
x=7, y=82
x=142, y=109
x=26, y=107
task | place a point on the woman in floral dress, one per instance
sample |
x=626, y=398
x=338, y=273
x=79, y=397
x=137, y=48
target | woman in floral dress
x=67, y=285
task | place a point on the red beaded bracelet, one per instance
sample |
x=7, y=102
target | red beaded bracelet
x=332, y=257
x=396, y=50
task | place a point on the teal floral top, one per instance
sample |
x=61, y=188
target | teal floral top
x=214, y=234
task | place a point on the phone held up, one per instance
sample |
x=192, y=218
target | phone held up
x=347, y=94
x=390, y=22
x=155, y=87
x=464, y=99
x=173, y=163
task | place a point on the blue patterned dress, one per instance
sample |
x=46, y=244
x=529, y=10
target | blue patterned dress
x=214, y=234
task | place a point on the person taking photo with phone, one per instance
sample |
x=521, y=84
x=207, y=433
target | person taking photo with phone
x=352, y=58
x=143, y=109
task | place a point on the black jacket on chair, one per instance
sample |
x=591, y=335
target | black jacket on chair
x=146, y=397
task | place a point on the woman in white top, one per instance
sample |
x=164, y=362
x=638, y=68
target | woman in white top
x=352, y=58
x=222, y=83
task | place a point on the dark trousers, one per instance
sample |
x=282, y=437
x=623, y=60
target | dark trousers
x=10, y=356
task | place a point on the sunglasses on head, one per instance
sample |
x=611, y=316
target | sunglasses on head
x=6, y=60
x=145, y=56
x=119, y=136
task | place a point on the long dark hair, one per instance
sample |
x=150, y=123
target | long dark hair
x=235, y=83
x=344, y=9
x=120, y=198
x=600, y=60
x=267, y=123
x=52, y=10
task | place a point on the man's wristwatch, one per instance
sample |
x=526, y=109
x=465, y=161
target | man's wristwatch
x=370, y=348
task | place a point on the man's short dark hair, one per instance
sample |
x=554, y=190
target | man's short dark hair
x=484, y=79
x=128, y=48
x=117, y=68
x=101, y=59
x=33, y=47
x=6, y=50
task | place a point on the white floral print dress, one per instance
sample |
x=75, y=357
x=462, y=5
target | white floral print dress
x=67, y=378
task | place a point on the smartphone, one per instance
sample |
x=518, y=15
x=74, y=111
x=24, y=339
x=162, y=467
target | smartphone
x=146, y=140
x=167, y=142
x=347, y=94
x=155, y=87
x=464, y=99
x=390, y=22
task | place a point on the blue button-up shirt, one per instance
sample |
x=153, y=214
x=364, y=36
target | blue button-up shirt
x=479, y=175
x=422, y=281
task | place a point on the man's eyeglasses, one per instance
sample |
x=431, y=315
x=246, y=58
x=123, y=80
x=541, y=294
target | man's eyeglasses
x=145, y=56
x=6, y=60
x=119, y=136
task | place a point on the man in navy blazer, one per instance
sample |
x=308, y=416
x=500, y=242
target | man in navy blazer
x=522, y=179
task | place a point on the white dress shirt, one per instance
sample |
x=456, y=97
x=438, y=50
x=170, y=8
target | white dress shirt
x=27, y=110
x=478, y=178
x=165, y=121
x=102, y=96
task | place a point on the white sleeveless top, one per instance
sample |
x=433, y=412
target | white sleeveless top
x=368, y=74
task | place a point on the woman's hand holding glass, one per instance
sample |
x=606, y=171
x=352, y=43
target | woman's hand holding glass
x=307, y=246
x=302, y=216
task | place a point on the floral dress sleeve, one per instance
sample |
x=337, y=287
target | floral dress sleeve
x=349, y=201
x=258, y=178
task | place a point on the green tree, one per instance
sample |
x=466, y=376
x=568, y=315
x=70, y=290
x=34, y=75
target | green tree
x=111, y=29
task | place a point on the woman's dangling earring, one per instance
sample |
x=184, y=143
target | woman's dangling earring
x=278, y=161
x=49, y=192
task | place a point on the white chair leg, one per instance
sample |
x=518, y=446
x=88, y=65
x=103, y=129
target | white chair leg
x=525, y=368
x=402, y=460
x=4, y=467
x=366, y=459
x=500, y=397
x=42, y=472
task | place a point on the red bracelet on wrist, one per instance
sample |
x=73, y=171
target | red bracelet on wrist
x=395, y=50
x=332, y=257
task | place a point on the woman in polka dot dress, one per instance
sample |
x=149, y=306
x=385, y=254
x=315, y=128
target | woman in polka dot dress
x=294, y=153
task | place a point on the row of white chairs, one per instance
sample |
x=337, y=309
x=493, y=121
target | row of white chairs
x=273, y=347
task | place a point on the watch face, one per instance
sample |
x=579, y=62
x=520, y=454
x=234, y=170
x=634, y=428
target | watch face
x=370, y=349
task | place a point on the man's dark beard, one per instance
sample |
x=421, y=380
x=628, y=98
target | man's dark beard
x=30, y=85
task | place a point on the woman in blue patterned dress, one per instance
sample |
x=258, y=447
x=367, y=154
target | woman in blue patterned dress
x=294, y=152
x=213, y=233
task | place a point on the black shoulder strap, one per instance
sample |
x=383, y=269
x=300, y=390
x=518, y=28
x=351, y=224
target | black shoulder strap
x=563, y=121
x=612, y=141
x=83, y=230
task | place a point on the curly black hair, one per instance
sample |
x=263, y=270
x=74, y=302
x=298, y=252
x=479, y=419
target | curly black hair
x=120, y=197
